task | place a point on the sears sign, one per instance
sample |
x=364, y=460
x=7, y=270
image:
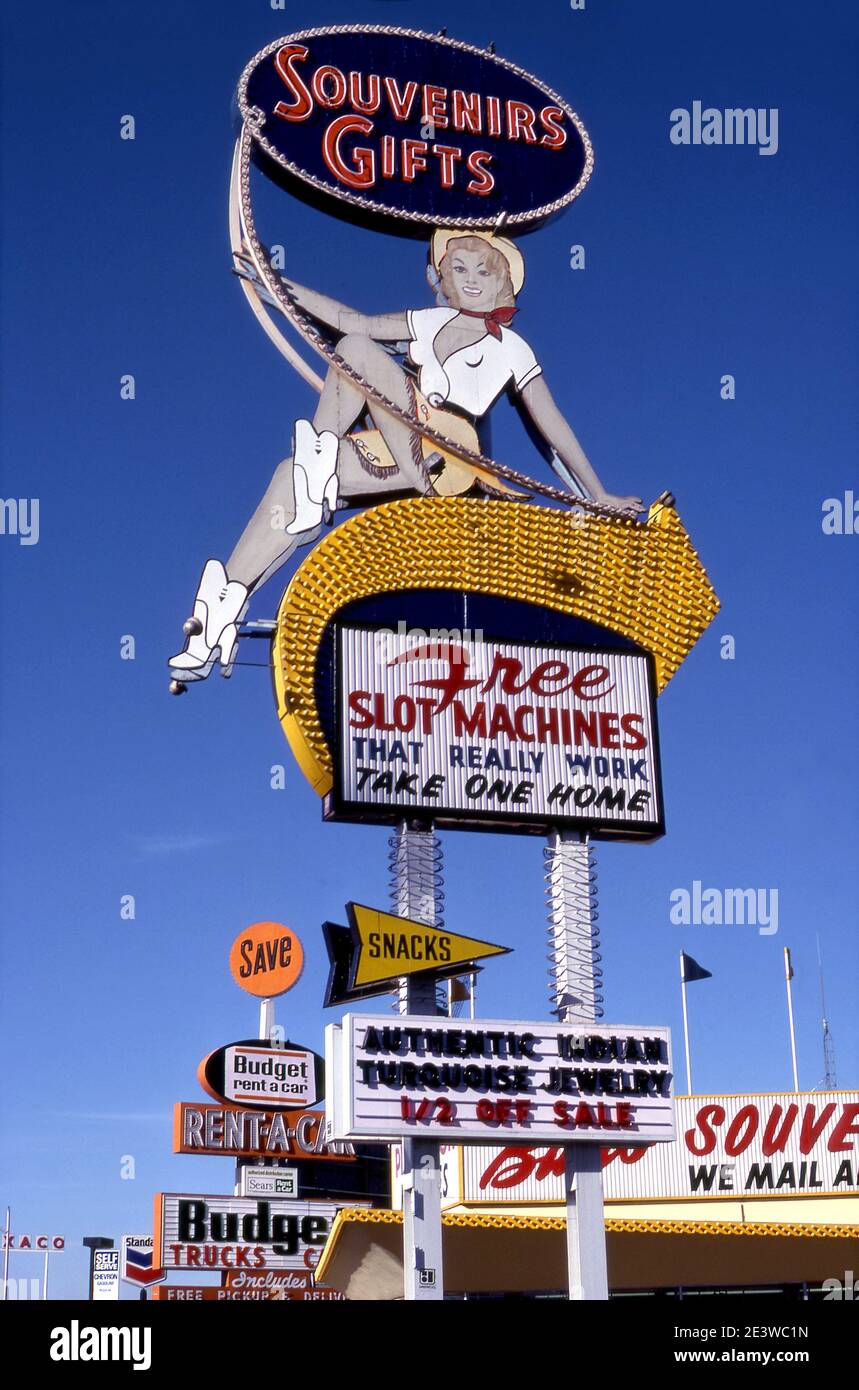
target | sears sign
x=414, y=126
x=503, y=734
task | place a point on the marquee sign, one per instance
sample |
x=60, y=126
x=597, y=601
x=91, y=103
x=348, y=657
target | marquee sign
x=734, y=1147
x=250, y=1133
x=200, y=1232
x=414, y=126
x=455, y=1080
x=644, y=582
x=502, y=734
x=255, y=1073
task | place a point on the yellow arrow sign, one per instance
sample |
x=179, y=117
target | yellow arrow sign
x=389, y=946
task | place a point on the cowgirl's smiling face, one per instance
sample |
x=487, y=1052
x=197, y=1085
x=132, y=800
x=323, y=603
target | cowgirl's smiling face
x=475, y=285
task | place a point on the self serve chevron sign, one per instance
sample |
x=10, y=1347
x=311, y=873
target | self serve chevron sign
x=136, y=1262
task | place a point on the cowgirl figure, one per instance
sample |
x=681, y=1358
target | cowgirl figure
x=463, y=356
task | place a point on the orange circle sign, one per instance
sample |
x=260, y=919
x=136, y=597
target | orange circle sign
x=266, y=959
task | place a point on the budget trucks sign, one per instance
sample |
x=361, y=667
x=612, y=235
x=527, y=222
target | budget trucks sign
x=199, y=1232
x=414, y=127
x=511, y=1082
x=506, y=735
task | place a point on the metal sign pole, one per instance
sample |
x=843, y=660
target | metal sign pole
x=577, y=998
x=416, y=891
x=266, y=1018
x=7, y=1234
x=266, y=1028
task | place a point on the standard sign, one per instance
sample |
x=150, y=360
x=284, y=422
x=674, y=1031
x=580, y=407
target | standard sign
x=414, y=126
x=257, y=1074
x=528, y=1082
x=198, y=1232
x=222, y=1129
x=501, y=734
x=136, y=1265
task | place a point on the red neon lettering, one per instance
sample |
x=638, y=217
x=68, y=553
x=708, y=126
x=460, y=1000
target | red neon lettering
x=449, y=156
x=414, y=158
x=401, y=102
x=284, y=64
x=339, y=87
x=369, y=104
x=493, y=113
x=556, y=136
x=466, y=111
x=389, y=157
x=435, y=106
x=363, y=172
x=520, y=121
x=484, y=180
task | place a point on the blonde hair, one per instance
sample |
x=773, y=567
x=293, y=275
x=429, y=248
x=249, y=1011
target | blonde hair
x=496, y=263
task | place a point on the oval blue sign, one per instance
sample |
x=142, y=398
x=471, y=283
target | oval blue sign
x=415, y=127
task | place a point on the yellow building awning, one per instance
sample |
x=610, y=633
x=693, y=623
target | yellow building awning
x=507, y=1253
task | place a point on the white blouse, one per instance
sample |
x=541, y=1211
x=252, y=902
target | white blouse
x=472, y=377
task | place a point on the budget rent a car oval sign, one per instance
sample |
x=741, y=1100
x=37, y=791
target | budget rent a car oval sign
x=414, y=126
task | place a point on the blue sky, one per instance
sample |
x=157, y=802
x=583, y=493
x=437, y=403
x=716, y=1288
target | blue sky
x=701, y=261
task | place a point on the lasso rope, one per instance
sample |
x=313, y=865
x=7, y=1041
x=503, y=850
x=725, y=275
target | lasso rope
x=314, y=339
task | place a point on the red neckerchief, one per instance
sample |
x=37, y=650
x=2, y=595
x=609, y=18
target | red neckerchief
x=494, y=320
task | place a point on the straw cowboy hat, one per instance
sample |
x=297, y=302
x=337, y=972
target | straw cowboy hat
x=510, y=252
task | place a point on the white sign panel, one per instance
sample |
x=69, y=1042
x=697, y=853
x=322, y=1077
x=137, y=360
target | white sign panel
x=268, y=1182
x=105, y=1275
x=197, y=1232
x=493, y=732
x=476, y=1080
x=277, y=1076
x=734, y=1146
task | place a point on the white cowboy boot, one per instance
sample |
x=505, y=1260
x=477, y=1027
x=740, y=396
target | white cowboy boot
x=213, y=632
x=314, y=461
